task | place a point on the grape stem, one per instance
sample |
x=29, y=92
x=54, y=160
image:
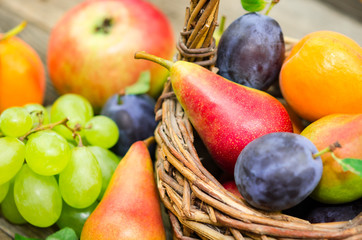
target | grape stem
x=75, y=133
x=40, y=115
x=330, y=148
x=80, y=142
x=46, y=126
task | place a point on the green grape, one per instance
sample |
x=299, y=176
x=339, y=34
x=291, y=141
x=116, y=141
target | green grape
x=38, y=113
x=37, y=197
x=108, y=161
x=71, y=144
x=47, y=153
x=12, y=153
x=75, y=218
x=4, y=188
x=9, y=209
x=48, y=109
x=81, y=181
x=75, y=107
x=15, y=122
x=101, y=131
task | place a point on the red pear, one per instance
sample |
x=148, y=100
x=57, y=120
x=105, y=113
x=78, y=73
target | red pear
x=226, y=115
x=130, y=207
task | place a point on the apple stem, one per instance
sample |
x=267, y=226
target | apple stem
x=14, y=31
x=330, y=148
x=163, y=62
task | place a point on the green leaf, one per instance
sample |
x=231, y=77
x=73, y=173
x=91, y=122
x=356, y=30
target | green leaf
x=254, y=5
x=63, y=234
x=141, y=86
x=352, y=164
x=19, y=237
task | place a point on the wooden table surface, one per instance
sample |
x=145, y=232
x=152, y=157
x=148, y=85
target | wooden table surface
x=296, y=18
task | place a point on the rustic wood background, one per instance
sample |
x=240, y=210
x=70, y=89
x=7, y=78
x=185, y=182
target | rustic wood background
x=296, y=18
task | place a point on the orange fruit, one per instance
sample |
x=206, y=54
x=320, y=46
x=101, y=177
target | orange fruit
x=323, y=75
x=22, y=73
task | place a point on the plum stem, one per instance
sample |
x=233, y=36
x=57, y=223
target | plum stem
x=330, y=148
x=272, y=4
x=163, y=62
x=222, y=25
x=120, y=94
x=14, y=31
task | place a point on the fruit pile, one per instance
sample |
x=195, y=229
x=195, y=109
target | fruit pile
x=248, y=132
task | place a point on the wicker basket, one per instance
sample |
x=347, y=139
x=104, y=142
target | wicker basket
x=198, y=205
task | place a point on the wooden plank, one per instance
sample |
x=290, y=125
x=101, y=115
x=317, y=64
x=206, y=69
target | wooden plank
x=9, y=230
x=4, y=236
x=352, y=8
x=42, y=13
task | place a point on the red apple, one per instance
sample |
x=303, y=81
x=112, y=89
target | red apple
x=231, y=187
x=22, y=73
x=91, y=49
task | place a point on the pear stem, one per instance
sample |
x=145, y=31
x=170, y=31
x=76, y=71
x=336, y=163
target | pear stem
x=14, y=31
x=163, y=62
x=149, y=141
x=330, y=148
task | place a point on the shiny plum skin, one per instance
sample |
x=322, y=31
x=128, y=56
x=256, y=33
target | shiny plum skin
x=251, y=51
x=277, y=171
x=135, y=118
x=317, y=212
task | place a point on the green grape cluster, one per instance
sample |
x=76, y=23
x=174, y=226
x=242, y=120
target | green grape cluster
x=54, y=157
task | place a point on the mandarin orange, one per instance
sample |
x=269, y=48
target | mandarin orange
x=22, y=73
x=323, y=75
